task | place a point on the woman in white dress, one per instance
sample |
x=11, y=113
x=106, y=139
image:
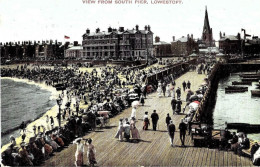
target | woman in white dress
x=120, y=130
x=79, y=152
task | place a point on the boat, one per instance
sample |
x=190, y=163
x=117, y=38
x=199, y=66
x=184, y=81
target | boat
x=255, y=93
x=242, y=83
x=235, y=89
x=244, y=127
x=250, y=79
x=250, y=76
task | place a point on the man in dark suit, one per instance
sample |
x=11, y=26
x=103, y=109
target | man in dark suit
x=171, y=131
x=155, y=118
x=183, y=128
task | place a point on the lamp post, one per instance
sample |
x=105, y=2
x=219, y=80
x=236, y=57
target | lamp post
x=59, y=102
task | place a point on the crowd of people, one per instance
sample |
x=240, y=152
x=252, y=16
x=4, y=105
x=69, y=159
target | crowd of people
x=237, y=142
x=87, y=87
x=107, y=90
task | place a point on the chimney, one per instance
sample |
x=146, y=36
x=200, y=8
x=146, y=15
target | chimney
x=220, y=35
x=87, y=31
x=188, y=36
x=191, y=36
x=75, y=43
x=136, y=27
x=97, y=30
x=18, y=42
x=224, y=34
x=109, y=29
x=121, y=29
x=157, y=39
x=173, y=38
x=238, y=36
x=145, y=27
x=149, y=28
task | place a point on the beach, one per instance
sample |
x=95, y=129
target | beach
x=39, y=121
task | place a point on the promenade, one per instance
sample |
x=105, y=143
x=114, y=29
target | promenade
x=154, y=149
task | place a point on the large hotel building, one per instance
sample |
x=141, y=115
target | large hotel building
x=118, y=44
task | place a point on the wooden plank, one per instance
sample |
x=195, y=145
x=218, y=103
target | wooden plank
x=217, y=152
x=234, y=159
x=204, y=157
x=213, y=156
x=229, y=156
x=221, y=158
x=198, y=157
x=209, y=157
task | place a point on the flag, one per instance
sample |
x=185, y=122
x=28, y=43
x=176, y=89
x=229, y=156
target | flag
x=242, y=29
x=66, y=37
x=247, y=35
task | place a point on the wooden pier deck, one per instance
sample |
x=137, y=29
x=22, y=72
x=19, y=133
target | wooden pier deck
x=154, y=149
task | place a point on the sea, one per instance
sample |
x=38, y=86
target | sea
x=21, y=101
x=236, y=107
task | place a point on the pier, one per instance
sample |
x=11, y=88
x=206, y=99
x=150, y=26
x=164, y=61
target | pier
x=154, y=149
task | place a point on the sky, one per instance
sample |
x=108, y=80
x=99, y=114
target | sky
x=23, y=20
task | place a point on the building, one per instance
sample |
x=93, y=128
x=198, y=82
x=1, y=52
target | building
x=230, y=44
x=74, y=51
x=28, y=50
x=161, y=49
x=252, y=46
x=184, y=46
x=207, y=34
x=118, y=44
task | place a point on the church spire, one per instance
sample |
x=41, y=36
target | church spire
x=206, y=27
x=207, y=31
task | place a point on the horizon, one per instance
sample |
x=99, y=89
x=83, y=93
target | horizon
x=53, y=19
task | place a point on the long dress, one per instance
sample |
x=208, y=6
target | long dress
x=79, y=154
x=168, y=91
x=119, y=133
x=91, y=154
x=134, y=131
x=133, y=114
x=159, y=90
x=127, y=131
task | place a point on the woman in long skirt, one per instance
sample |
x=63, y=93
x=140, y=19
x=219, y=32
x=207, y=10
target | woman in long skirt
x=79, y=152
x=91, y=153
x=120, y=130
x=134, y=131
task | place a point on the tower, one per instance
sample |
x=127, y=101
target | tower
x=207, y=36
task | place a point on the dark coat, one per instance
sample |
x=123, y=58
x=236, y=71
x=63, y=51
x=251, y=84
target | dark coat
x=155, y=117
x=171, y=129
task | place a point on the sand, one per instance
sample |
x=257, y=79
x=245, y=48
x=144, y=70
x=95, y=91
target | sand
x=42, y=120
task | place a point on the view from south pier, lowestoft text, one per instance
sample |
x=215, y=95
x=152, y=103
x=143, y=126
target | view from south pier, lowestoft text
x=132, y=1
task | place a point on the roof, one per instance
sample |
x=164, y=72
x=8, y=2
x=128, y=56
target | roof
x=220, y=54
x=103, y=33
x=161, y=43
x=75, y=48
x=193, y=55
x=209, y=50
x=229, y=37
x=182, y=39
